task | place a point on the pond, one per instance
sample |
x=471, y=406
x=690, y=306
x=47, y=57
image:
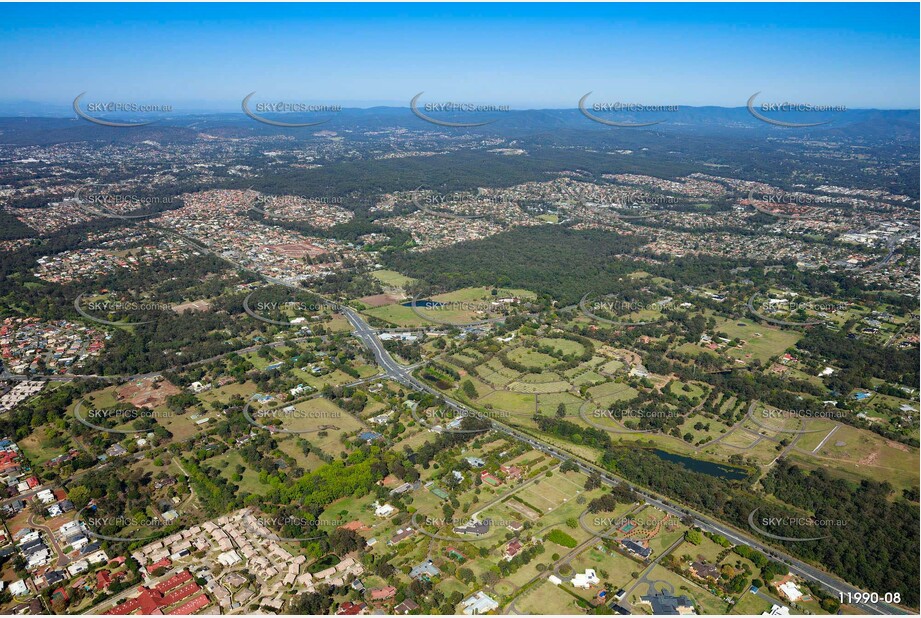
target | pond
x=704, y=467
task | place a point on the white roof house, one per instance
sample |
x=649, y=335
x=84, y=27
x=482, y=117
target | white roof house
x=585, y=580
x=478, y=604
x=791, y=591
x=19, y=588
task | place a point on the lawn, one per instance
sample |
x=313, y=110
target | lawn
x=750, y=604
x=564, y=346
x=540, y=387
x=618, y=567
x=716, y=428
x=44, y=443
x=532, y=358
x=517, y=404
x=392, y=278
x=606, y=394
x=321, y=421
x=762, y=341
x=547, y=599
x=704, y=601
x=548, y=403
x=687, y=389
x=858, y=454
x=227, y=464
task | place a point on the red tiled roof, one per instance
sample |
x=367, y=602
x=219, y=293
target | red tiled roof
x=164, y=563
x=379, y=594
x=350, y=609
x=176, y=580
x=103, y=579
x=149, y=601
x=192, y=606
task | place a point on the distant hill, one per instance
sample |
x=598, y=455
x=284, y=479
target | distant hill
x=872, y=125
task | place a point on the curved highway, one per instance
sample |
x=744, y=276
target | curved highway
x=402, y=374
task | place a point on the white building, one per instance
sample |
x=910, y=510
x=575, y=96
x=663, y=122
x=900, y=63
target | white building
x=790, y=591
x=229, y=558
x=585, y=580
x=384, y=510
x=19, y=588
x=479, y=604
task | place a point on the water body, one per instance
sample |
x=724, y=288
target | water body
x=704, y=467
x=426, y=303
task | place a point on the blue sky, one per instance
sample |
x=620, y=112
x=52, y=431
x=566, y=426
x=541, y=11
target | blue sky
x=526, y=56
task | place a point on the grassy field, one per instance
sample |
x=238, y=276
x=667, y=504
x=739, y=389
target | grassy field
x=619, y=568
x=516, y=404
x=321, y=421
x=548, y=403
x=473, y=304
x=532, y=358
x=392, y=278
x=606, y=394
x=761, y=341
x=548, y=599
x=227, y=464
x=692, y=391
x=716, y=428
x=44, y=443
x=858, y=453
x=563, y=345
x=750, y=604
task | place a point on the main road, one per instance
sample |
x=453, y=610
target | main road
x=403, y=375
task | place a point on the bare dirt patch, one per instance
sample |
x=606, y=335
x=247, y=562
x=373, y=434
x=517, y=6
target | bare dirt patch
x=379, y=300
x=147, y=392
